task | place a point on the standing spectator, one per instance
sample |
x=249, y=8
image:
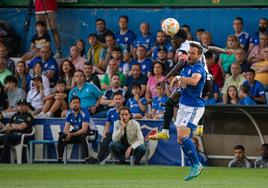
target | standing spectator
x=235, y=79
x=79, y=120
x=67, y=70
x=113, y=69
x=90, y=76
x=49, y=65
x=256, y=54
x=127, y=138
x=136, y=104
x=243, y=36
x=4, y=72
x=256, y=89
x=232, y=95
x=240, y=160
x=145, y=38
x=112, y=116
x=261, y=69
x=226, y=60
x=19, y=123
x=22, y=76
x=255, y=37
x=93, y=54
x=10, y=64
x=103, y=31
x=81, y=46
x=246, y=98
x=136, y=77
x=88, y=93
x=46, y=11
x=263, y=161
x=14, y=95
x=76, y=58
x=125, y=37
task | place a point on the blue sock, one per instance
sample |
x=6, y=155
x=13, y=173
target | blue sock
x=189, y=150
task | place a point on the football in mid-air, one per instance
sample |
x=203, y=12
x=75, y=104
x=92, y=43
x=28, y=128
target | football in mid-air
x=170, y=26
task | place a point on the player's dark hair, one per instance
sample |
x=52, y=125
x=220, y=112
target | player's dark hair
x=239, y=147
x=101, y=20
x=200, y=50
x=181, y=34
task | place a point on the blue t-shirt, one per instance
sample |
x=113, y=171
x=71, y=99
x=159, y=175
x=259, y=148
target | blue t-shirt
x=49, y=65
x=191, y=95
x=168, y=46
x=147, y=41
x=112, y=116
x=158, y=104
x=109, y=95
x=255, y=38
x=146, y=65
x=76, y=121
x=257, y=89
x=244, y=39
x=125, y=40
x=134, y=106
x=89, y=95
x=247, y=101
x=142, y=80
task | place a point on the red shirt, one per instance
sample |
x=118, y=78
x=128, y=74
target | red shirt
x=216, y=72
x=45, y=5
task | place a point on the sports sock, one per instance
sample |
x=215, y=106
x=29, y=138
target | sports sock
x=190, y=150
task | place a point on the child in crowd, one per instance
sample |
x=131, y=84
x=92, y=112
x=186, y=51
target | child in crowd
x=136, y=104
x=246, y=99
x=123, y=66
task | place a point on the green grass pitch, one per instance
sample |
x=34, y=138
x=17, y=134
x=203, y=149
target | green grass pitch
x=112, y=176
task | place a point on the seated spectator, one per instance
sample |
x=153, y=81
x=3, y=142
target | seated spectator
x=136, y=77
x=255, y=37
x=49, y=65
x=157, y=76
x=107, y=98
x=37, y=71
x=55, y=102
x=263, y=161
x=3, y=98
x=161, y=40
x=112, y=116
x=22, y=76
x=81, y=46
x=67, y=70
x=187, y=29
x=76, y=58
x=226, y=60
x=145, y=63
x=103, y=31
x=127, y=138
x=19, y=123
x=123, y=66
x=14, y=95
x=145, y=38
x=93, y=54
x=162, y=58
x=158, y=103
x=256, y=90
x=212, y=97
x=206, y=39
x=137, y=104
x=256, y=54
x=246, y=98
x=232, y=95
x=242, y=36
x=235, y=79
x=79, y=120
x=88, y=93
x=36, y=95
x=201, y=155
x=261, y=69
x=10, y=64
x=240, y=160
x=90, y=76
x=40, y=39
x=241, y=59
x=4, y=72
x=113, y=69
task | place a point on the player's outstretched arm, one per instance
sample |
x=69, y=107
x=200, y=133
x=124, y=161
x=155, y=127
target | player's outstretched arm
x=176, y=69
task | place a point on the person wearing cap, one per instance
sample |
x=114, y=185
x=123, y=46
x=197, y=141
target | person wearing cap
x=93, y=54
x=162, y=53
x=56, y=102
x=19, y=123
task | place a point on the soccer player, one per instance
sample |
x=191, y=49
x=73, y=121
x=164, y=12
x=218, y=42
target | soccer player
x=192, y=81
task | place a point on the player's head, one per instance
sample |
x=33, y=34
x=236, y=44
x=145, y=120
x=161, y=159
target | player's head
x=194, y=53
x=118, y=99
x=75, y=103
x=239, y=152
x=179, y=38
x=264, y=151
x=125, y=114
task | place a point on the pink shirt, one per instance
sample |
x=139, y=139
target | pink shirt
x=151, y=84
x=79, y=62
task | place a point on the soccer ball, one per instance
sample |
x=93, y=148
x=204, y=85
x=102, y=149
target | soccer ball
x=170, y=26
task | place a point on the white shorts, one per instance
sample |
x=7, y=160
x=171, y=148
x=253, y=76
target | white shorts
x=189, y=116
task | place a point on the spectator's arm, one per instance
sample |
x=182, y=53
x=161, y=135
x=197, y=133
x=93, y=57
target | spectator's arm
x=66, y=127
x=19, y=126
x=50, y=74
x=105, y=102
